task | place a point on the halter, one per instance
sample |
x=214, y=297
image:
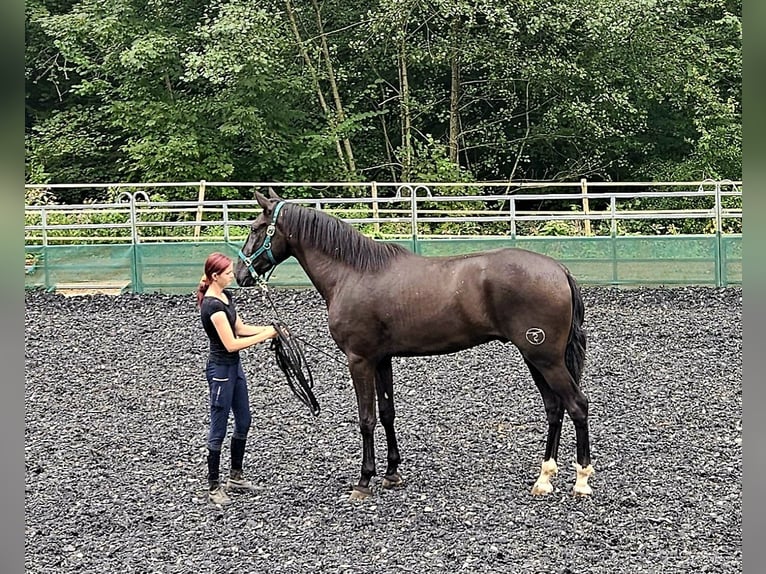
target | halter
x=265, y=248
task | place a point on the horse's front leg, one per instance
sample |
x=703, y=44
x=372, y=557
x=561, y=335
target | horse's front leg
x=384, y=385
x=363, y=376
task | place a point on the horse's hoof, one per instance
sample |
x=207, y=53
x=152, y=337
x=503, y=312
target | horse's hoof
x=360, y=492
x=541, y=489
x=392, y=480
x=582, y=490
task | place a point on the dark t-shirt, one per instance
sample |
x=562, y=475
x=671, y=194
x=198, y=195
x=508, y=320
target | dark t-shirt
x=210, y=305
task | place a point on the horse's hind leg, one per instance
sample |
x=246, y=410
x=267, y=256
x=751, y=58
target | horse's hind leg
x=384, y=386
x=554, y=410
x=576, y=404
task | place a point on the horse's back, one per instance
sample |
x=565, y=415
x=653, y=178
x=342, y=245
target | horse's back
x=428, y=305
x=519, y=274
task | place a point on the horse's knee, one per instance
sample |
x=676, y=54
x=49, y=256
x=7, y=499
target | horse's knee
x=367, y=425
x=387, y=416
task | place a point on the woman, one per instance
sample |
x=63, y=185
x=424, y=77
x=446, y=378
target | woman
x=226, y=380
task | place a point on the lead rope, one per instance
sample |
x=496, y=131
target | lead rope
x=291, y=360
x=292, y=363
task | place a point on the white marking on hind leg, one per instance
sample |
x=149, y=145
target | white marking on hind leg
x=543, y=484
x=581, y=487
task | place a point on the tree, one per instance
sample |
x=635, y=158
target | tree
x=398, y=90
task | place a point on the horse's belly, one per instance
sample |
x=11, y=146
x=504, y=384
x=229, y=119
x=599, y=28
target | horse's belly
x=438, y=343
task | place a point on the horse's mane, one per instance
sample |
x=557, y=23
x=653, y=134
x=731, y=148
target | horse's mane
x=338, y=239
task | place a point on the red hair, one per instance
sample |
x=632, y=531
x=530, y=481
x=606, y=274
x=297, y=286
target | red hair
x=215, y=263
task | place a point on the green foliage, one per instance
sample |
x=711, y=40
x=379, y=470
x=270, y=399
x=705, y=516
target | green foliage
x=38, y=196
x=432, y=164
x=606, y=89
x=556, y=227
x=96, y=232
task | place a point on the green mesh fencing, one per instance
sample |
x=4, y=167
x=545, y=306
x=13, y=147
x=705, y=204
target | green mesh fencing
x=177, y=267
x=174, y=267
x=69, y=266
x=631, y=260
x=731, y=260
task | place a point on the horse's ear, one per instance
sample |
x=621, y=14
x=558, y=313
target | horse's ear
x=262, y=200
x=273, y=194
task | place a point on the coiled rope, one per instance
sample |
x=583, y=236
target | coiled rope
x=292, y=362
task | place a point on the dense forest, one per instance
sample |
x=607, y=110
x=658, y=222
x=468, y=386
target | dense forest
x=391, y=90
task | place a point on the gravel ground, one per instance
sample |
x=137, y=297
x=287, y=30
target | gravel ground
x=116, y=421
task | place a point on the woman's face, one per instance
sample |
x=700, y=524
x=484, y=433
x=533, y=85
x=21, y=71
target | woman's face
x=226, y=276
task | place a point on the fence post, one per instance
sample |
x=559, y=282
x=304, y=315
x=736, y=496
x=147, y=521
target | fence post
x=414, y=215
x=226, y=222
x=512, y=207
x=44, y=223
x=720, y=270
x=135, y=259
x=413, y=223
x=415, y=189
x=585, y=205
x=613, y=229
x=375, y=211
x=200, y=199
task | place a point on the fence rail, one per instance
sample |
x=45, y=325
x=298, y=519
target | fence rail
x=591, y=227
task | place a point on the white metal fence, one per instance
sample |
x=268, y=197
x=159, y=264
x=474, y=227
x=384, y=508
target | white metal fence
x=606, y=233
x=388, y=210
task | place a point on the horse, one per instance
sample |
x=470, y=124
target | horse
x=385, y=301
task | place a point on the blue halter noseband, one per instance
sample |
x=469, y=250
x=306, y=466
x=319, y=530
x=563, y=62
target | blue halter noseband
x=265, y=248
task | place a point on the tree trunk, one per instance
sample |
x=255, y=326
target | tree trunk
x=341, y=116
x=526, y=135
x=387, y=140
x=314, y=79
x=406, y=116
x=454, y=96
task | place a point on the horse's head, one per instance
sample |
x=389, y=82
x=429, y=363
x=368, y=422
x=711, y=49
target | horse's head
x=265, y=246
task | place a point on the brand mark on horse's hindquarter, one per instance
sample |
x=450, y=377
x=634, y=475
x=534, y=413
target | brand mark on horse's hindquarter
x=535, y=335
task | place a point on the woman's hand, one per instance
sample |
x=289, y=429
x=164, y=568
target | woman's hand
x=270, y=332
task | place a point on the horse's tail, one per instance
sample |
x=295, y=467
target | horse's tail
x=575, y=351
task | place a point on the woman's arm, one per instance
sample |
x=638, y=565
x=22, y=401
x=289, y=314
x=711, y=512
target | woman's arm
x=249, y=335
x=243, y=329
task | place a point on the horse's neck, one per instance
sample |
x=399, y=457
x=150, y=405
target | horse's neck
x=326, y=273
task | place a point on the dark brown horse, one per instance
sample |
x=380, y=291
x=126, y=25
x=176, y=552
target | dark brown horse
x=384, y=301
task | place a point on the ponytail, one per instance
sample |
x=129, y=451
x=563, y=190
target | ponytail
x=202, y=289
